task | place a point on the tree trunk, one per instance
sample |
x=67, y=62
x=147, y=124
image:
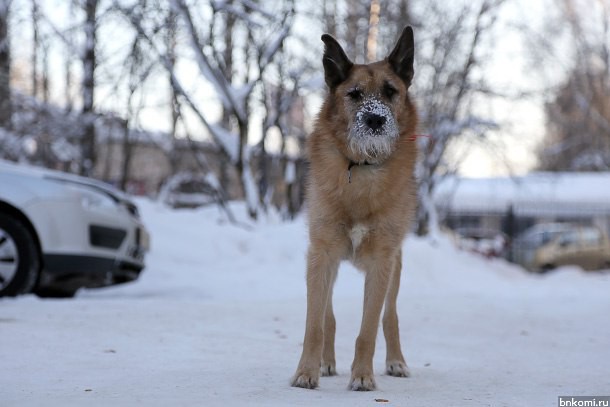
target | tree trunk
x=329, y=15
x=68, y=62
x=227, y=68
x=45, y=74
x=88, y=142
x=170, y=44
x=373, y=29
x=127, y=153
x=5, y=66
x=35, y=47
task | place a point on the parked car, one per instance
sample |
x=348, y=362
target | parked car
x=524, y=247
x=547, y=246
x=60, y=232
x=186, y=190
x=486, y=242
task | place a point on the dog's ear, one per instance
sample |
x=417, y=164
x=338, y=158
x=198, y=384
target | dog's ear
x=336, y=64
x=401, y=58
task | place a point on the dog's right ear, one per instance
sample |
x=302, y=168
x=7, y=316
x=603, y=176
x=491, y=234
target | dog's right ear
x=336, y=64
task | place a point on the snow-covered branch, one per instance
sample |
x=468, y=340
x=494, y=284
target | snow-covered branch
x=230, y=99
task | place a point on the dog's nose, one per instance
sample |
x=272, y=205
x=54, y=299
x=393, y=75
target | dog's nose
x=374, y=121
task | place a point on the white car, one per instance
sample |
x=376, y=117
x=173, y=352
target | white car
x=60, y=232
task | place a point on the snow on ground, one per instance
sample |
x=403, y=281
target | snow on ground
x=217, y=318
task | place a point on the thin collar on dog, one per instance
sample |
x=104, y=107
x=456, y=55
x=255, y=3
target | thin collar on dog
x=353, y=163
x=349, y=169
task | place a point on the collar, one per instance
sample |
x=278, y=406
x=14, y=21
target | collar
x=353, y=164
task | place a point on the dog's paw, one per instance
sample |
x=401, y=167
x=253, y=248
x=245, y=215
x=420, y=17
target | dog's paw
x=328, y=369
x=305, y=380
x=362, y=382
x=397, y=368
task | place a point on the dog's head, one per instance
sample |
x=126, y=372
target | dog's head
x=373, y=98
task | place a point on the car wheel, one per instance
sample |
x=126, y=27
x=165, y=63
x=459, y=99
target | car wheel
x=19, y=258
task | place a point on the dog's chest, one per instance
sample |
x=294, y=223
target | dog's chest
x=357, y=233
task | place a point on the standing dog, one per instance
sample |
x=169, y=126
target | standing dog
x=362, y=198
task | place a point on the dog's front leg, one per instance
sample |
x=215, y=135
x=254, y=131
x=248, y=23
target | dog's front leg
x=321, y=271
x=395, y=361
x=328, y=353
x=378, y=271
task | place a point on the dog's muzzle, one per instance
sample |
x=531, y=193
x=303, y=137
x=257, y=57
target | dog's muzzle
x=374, y=130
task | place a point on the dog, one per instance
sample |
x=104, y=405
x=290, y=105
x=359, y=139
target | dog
x=361, y=201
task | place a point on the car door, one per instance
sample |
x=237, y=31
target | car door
x=568, y=248
x=591, y=256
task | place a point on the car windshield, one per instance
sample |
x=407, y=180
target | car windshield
x=536, y=236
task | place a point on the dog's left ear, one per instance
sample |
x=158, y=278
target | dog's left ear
x=401, y=57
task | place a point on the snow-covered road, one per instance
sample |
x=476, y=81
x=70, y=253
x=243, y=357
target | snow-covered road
x=217, y=319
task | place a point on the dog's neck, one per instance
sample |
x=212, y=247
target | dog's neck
x=354, y=164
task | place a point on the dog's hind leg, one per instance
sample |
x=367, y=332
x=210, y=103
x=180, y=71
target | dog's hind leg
x=328, y=367
x=322, y=266
x=395, y=362
x=378, y=272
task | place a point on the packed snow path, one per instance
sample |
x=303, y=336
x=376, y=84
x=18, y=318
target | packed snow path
x=217, y=319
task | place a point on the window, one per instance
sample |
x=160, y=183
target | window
x=591, y=237
x=569, y=238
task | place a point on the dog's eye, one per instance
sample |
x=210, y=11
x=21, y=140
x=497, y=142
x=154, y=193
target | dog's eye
x=389, y=91
x=355, y=94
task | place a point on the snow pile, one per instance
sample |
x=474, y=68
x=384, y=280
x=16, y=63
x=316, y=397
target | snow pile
x=217, y=319
x=586, y=190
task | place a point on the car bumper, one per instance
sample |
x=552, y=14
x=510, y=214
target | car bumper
x=76, y=271
x=87, y=247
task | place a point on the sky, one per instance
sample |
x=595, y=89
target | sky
x=511, y=150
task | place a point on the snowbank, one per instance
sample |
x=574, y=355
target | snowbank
x=585, y=190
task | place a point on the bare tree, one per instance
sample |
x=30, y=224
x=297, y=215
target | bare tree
x=5, y=66
x=174, y=106
x=329, y=17
x=263, y=33
x=139, y=68
x=35, y=45
x=260, y=75
x=88, y=87
x=373, y=30
x=68, y=42
x=224, y=42
x=40, y=56
x=578, y=110
x=446, y=88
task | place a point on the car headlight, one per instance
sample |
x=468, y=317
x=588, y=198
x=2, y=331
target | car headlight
x=91, y=199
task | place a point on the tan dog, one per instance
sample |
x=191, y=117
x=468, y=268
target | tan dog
x=362, y=198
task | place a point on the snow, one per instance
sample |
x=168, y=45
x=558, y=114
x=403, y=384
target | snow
x=228, y=140
x=274, y=45
x=217, y=318
x=587, y=190
x=251, y=192
x=290, y=174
